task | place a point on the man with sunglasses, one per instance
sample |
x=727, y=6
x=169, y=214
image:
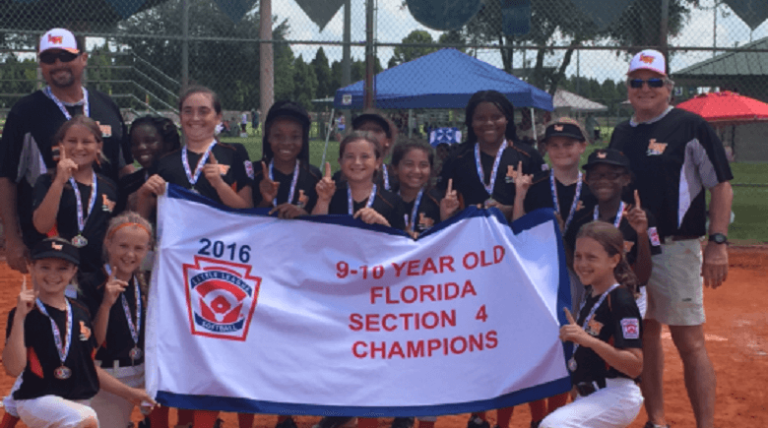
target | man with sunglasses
x=26, y=148
x=675, y=156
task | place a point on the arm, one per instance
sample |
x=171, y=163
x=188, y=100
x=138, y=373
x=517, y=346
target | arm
x=110, y=384
x=325, y=189
x=45, y=214
x=126, y=170
x=643, y=264
x=715, y=266
x=227, y=194
x=16, y=252
x=628, y=361
x=15, y=352
x=147, y=195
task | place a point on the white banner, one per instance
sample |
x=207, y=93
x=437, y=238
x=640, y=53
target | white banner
x=327, y=315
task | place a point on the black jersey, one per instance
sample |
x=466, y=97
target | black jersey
x=385, y=203
x=428, y=213
x=128, y=185
x=462, y=168
x=43, y=358
x=26, y=148
x=96, y=224
x=674, y=158
x=305, y=193
x=386, y=178
x=617, y=321
x=540, y=196
x=119, y=342
x=171, y=169
x=630, y=236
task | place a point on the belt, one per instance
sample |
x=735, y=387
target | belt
x=122, y=362
x=682, y=237
x=586, y=388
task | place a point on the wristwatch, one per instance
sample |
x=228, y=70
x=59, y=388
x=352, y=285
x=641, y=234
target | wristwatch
x=718, y=238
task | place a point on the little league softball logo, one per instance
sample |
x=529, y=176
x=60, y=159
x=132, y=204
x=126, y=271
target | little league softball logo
x=221, y=298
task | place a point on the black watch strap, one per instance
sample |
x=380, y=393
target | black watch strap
x=718, y=238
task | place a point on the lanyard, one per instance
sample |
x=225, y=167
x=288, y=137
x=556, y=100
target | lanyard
x=556, y=201
x=198, y=170
x=82, y=218
x=619, y=215
x=294, y=181
x=61, y=348
x=135, y=329
x=592, y=312
x=60, y=105
x=496, y=162
x=386, y=178
x=350, y=203
x=416, y=202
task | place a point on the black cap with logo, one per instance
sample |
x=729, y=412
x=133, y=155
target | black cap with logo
x=607, y=157
x=56, y=248
x=564, y=129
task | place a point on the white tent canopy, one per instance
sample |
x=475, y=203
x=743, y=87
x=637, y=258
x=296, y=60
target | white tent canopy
x=569, y=102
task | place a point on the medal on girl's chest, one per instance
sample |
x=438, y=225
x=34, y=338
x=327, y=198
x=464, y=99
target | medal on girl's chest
x=62, y=373
x=135, y=353
x=62, y=342
x=79, y=241
x=572, y=366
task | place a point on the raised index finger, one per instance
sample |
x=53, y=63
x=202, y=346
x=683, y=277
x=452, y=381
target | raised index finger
x=569, y=316
x=637, y=200
x=24, y=283
x=327, y=170
x=62, y=153
x=450, y=187
x=213, y=158
x=264, y=172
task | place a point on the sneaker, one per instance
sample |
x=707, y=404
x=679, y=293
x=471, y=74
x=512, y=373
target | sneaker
x=476, y=422
x=650, y=424
x=219, y=423
x=335, y=422
x=288, y=423
x=535, y=424
x=402, y=423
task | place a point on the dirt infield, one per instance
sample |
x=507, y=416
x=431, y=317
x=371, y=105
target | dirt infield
x=737, y=340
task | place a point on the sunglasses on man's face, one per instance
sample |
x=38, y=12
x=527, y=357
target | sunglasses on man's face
x=652, y=83
x=63, y=56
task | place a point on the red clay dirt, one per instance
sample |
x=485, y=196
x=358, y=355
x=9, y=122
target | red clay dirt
x=737, y=341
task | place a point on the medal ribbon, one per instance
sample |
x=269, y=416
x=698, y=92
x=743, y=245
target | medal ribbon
x=592, y=313
x=83, y=218
x=416, y=202
x=386, y=178
x=619, y=215
x=60, y=105
x=496, y=162
x=294, y=181
x=62, y=349
x=137, y=328
x=185, y=160
x=350, y=203
x=556, y=201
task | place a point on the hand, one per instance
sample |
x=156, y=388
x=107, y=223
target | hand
x=138, y=396
x=213, y=172
x=26, y=300
x=326, y=187
x=371, y=216
x=522, y=181
x=637, y=218
x=65, y=168
x=572, y=332
x=288, y=211
x=155, y=185
x=450, y=203
x=409, y=229
x=112, y=290
x=490, y=203
x=17, y=255
x=715, y=266
x=267, y=187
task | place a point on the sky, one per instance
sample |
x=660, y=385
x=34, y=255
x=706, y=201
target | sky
x=394, y=23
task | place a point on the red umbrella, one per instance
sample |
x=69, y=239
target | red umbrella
x=726, y=106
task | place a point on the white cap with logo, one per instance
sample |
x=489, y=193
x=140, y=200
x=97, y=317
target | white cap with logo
x=58, y=38
x=649, y=59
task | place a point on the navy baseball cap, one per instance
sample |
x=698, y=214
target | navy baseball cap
x=288, y=109
x=564, y=128
x=358, y=121
x=607, y=157
x=56, y=248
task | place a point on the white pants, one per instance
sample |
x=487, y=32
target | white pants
x=114, y=411
x=52, y=411
x=8, y=402
x=615, y=406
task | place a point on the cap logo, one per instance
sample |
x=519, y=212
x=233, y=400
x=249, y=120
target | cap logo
x=602, y=155
x=55, y=40
x=558, y=128
x=647, y=59
x=56, y=246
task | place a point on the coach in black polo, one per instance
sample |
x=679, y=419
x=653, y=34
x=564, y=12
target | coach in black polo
x=26, y=149
x=676, y=156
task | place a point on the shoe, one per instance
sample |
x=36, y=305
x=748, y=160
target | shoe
x=650, y=424
x=476, y=422
x=288, y=423
x=335, y=422
x=535, y=424
x=402, y=423
x=218, y=424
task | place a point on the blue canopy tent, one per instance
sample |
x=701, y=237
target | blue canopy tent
x=443, y=79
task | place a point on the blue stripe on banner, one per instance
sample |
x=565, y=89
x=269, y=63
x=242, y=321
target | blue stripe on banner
x=227, y=404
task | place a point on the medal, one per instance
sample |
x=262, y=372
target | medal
x=62, y=373
x=86, y=110
x=555, y=200
x=135, y=353
x=79, y=241
x=411, y=223
x=294, y=181
x=198, y=170
x=572, y=366
x=351, y=204
x=62, y=344
x=481, y=175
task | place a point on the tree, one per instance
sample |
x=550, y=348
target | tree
x=407, y=53
x=323, y=74
x=285, y=63
x=453, y=38
x=305, y=83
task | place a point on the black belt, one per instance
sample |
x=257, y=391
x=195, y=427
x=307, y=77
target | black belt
x=681, y=237
x=586, y=388
x=121, y=362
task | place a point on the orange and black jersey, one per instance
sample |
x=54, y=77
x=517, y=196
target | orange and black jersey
x=305, y=193
x=428, y=213
x=385, y=203
x=231, y=164
x=462, y=168
x=96, y=223
x=119, y=341
x=540, y=196
x=43, y=358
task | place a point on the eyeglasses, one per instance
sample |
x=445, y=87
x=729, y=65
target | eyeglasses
x=610, y=176
x=652, y=83
x=49, y=57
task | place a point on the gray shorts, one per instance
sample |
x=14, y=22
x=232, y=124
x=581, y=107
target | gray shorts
x=676, y=288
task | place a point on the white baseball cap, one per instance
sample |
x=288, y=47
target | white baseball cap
x=649, y=59
x=59, y=38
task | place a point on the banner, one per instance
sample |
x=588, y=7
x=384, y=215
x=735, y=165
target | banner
x=330, y=316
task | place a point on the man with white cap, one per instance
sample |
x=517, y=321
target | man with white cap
x=675, y=156
x=27, y=147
